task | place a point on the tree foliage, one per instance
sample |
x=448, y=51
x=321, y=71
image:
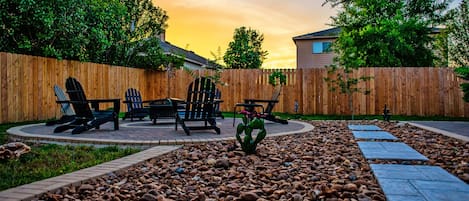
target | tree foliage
x=245, y=51
x=381, y=33
x=344, y=81
x=108, y=32
x=65, y=29
x=458, y=35
x=458, y=32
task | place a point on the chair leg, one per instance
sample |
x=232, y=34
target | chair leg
x=73, y=124
x=116, y=121
x=63, y=128
x=66, y=119
x=213, y=124
x=62, y=120
x=185, y=128
x=176, y=124
x=80, y=129
x=274, y=119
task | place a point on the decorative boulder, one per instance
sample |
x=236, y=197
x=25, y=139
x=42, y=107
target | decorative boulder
x=13, y=150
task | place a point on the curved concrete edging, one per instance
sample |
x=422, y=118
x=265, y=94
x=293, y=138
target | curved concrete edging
x=33, y=190
x=443, y=132
x=17, y=133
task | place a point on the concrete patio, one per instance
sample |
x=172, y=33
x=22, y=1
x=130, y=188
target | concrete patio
x=145, y=134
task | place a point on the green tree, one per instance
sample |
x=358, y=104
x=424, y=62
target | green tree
x=64, y=29
x=458, y=35
x=144, y=23
x=343, y=81
x=458, y=28
x=380, y=33
x=111, y=32
x=245, y=51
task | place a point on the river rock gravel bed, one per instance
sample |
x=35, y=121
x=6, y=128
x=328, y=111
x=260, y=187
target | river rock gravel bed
x=324, y=164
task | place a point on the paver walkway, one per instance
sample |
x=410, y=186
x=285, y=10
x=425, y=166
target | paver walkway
x=373, y=135
x=410, y=182
x=364, y=128
x=419, y=183
x=389, y=151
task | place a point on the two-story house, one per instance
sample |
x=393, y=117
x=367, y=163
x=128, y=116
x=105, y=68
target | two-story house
x=313, y=50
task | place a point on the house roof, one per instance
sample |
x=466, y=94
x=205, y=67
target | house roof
x=334, y=33
x=189, y=55
x=327, y=33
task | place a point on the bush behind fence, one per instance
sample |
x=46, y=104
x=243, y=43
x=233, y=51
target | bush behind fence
x=26, y=88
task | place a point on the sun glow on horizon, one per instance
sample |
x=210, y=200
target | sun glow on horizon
x=205, y=26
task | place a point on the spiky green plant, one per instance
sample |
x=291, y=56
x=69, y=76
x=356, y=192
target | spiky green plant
x=248, y=143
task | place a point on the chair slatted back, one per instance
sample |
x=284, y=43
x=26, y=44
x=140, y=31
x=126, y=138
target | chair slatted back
x=275, y=95
x=217, y=96
x=134, y=99
x=64, y=107
x=78, y=99
x=200, y=98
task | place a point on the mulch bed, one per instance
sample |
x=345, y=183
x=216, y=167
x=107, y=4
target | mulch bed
x=324, y=164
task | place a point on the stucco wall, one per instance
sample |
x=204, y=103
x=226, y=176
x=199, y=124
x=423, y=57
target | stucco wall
x=305, y=57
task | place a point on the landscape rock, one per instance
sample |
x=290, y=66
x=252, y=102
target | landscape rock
x=13, y=150
x=248, y=196
x=351, y=187
x=86, y=187
x=149, y=197
x=323, y=164
x=222, y=163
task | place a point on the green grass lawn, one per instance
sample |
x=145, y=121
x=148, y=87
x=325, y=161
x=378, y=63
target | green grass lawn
x=49, y=160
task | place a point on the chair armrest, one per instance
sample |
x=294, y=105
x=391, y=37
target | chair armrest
x=154, y=100
x=95, y=103
x=103, y=100
x=260, y=101
x=62, y=101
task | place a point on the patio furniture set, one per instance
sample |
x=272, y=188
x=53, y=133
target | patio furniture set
x=202, y=104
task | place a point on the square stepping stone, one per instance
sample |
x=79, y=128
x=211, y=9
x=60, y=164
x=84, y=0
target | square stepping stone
x=373, y=135
x=389, y=151
x=419, y=182
x=364, y=128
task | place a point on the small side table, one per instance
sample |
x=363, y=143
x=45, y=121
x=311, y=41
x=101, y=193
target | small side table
x=247, y=106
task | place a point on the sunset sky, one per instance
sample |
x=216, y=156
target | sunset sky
x=204, y=25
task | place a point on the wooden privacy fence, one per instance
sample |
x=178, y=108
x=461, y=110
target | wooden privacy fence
x=26, y=88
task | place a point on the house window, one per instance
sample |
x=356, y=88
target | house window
x=321, y=47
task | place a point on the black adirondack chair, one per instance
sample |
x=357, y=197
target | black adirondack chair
x=267, y=114
x=68, y=114
x=199, y=106
x=86, y=118
x=216, y=106
x=134, y=102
